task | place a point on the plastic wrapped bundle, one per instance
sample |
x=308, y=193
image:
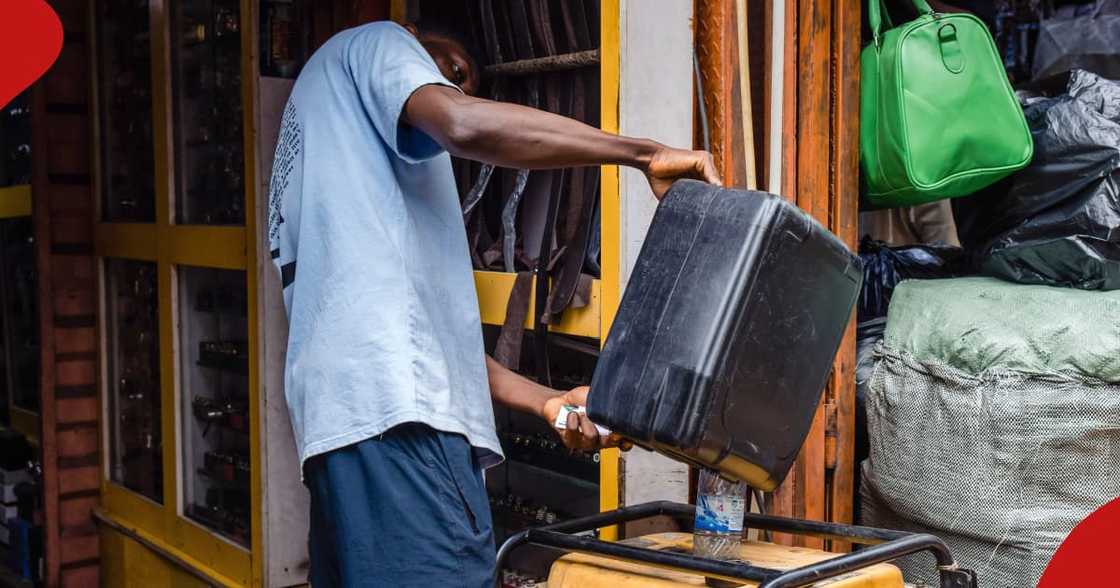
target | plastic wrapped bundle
x=994, y=420
x=1057, y=221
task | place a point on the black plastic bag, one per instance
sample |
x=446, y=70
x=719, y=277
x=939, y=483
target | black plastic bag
x=884, y=267
x=1057, y=221
x=1079, y=36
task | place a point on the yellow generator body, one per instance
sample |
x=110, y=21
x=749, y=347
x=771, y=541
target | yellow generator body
x=576, y=570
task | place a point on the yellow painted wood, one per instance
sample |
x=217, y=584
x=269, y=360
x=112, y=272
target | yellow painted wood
x=126, y=240
x=143, y=567
x=196, y=245
x=587, y=571
x=133, y=508
x=493, y=295
x=609, y=219
x=211, y=553
x=250, y=99
x=112, y=553
x=205, y=246
x=15, y=201
x=139, y=558
x=398, y=10
x=26, y=422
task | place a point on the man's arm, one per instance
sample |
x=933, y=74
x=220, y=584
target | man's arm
x=522, y=394
x=517, y=136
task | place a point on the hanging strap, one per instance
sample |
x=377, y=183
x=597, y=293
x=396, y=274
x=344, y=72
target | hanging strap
x=507, y=351
x=877, y=9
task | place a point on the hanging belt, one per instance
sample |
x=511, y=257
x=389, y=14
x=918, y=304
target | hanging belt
x=568, y=240
x=584, y=191
x=523, y=47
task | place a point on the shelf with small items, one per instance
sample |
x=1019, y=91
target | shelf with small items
x=228, y=356
x=216, y=433
x=548, y=452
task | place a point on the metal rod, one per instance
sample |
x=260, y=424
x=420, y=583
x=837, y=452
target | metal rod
x=884, y=552
x=562, y=62
x=663, y=559
x=853, y=533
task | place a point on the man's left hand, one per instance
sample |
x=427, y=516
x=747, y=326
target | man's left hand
x=580, y=433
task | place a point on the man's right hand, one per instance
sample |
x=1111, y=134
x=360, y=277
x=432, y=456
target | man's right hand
x=668, y=165
x=515, y=136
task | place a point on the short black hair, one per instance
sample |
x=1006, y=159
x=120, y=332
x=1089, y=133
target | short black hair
x=464, y=38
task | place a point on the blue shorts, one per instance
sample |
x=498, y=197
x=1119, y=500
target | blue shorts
x=406, y=508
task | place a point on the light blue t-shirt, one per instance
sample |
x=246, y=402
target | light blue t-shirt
x=365, y=228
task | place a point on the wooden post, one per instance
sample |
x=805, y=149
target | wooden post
x=820, y=173
x=63, y=220
x=820, y=151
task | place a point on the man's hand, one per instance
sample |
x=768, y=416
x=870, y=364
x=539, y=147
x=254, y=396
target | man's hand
x=580, y=433
x=668, y=165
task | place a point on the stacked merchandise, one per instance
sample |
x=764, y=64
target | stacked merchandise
x=994, y=419
x=20, y=536
x=992, y=414
x=1056, y=221
x=9, y=501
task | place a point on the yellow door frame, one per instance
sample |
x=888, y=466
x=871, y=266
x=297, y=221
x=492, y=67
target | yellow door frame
x=168, y=245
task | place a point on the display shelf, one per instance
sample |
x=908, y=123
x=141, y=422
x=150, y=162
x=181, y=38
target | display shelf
x=548, y=452
x=493, y=290
x=207, y=113
x=133, y=395
x=124, y=50
x=215, y=413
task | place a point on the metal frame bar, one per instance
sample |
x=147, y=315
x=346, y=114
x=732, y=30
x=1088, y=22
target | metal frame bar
x=551, y=63
x=884, y=546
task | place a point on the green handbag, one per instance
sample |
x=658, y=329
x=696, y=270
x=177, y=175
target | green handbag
x=938, y=118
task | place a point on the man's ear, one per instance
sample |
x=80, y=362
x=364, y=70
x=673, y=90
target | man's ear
x=411, y=28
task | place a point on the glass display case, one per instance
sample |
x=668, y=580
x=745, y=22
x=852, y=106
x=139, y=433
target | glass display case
x=20, y=303
x=15, y=142
x=283, y=40
x=133, y=386
x=206, y=106
x=213, y=330
x=124, y=57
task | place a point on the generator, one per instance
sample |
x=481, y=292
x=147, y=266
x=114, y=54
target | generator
x=665, y=560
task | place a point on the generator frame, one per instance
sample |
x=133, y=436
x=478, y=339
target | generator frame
x=883, y=545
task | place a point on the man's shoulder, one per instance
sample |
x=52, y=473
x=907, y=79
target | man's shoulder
x=382, y=32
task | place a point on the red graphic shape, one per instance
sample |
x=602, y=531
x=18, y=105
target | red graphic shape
x=1090, y=556
x=30, y=41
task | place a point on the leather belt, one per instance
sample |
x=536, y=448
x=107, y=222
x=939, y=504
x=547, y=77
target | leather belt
x=568, y=240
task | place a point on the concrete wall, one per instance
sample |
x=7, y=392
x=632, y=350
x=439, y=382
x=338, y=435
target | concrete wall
x=655, y=101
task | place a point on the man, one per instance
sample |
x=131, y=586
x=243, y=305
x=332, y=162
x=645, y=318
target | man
x=387, y=382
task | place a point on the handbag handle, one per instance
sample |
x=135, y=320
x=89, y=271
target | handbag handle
x=877, y=8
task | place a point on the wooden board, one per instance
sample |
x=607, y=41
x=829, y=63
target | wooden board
x=820, y=173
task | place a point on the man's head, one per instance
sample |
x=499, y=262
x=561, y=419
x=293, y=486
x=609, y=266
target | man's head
x=451, y=52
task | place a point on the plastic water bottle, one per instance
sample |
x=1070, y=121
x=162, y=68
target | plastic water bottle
x=720, y=505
